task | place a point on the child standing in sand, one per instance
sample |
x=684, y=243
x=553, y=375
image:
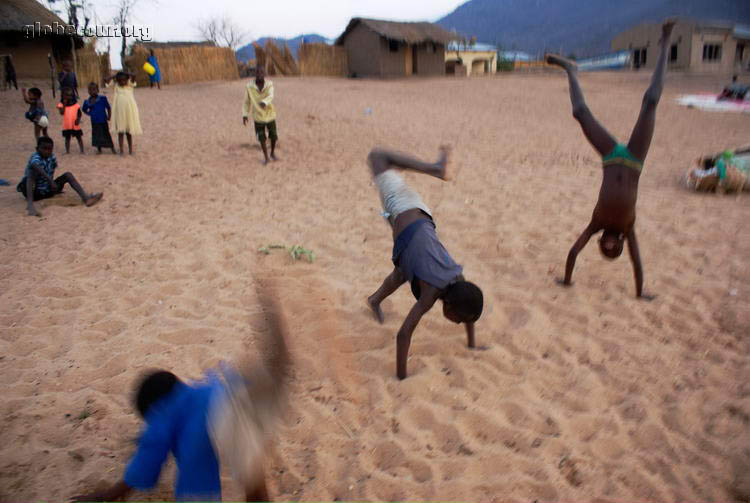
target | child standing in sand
x=259, y=98
x=67, y=78
x=225, y=417
x=36, y=113
x=38, y=182
x=614, y=213
x=71, y=112
x=97, y=107
x=125, y=118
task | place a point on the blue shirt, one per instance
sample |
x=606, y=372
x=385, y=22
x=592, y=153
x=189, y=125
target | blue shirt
x=418, y=253
x=178, y=423
x=96, y=109
x=49, y=165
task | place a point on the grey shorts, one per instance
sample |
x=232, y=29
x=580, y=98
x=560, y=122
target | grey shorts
x=396, y=196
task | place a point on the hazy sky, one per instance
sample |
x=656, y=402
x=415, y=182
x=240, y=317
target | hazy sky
x=176, y=19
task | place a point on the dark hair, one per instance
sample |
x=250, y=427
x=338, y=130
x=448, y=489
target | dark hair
x=36, y=91
x=44, y=140
x=66, y=89
x=152, y=388
x=616, y=239
x=121, y=74
x=92, y=83
x=465, y=299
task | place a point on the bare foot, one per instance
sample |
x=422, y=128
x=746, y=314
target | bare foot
x=264, y=162
x=98, y=152
x=561, y=282
x=93, y=199
x=556, y=59
x=376, y=310
x=442, y=162
x=647, y=297
x=274, y=158
x=33, y=212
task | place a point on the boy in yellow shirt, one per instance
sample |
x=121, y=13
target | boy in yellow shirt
x=259, y=97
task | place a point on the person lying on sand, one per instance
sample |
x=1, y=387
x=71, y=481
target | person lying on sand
x=228, y=416
x=418, y=255
x=615, y=211
x=37, y=182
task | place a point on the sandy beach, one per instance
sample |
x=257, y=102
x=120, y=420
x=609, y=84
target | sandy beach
x=580, y=394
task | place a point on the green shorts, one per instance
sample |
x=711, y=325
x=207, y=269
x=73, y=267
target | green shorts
x=260, y=131
x=621, y=156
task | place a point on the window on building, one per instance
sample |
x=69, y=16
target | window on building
x=393, y=45
x=711, y=52
x=673, y=53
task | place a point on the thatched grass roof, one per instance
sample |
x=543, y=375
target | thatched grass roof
x=15, y=14
x=410, y=33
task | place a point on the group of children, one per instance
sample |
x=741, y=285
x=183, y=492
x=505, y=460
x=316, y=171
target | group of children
x=38, y=182
x=180, y=418
x=123, y=113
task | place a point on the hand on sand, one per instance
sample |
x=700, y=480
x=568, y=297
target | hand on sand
x=93, y=199
x=556, y=59
x=562, y=282
x=646, y=297
x=376, y=311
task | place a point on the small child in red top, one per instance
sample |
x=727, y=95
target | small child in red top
x=71, y=112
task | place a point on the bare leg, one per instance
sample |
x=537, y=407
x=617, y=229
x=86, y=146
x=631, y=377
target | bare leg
x=88, y=199
x=265, y=150
x=37, y=131
x=273, y=149
x=640, y=138
x=121, y=140
x=67, y=144
x=382, y=160
x=130, y=143
x=80, y=143
x=595, y=133
x=391, y=283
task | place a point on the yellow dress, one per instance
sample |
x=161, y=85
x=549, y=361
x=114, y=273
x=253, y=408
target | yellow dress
x=125, y=118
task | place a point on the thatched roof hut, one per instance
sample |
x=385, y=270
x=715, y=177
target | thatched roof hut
x=29, y=32
x=393, y=49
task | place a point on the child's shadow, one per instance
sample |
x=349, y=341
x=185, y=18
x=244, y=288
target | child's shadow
x=249, y=146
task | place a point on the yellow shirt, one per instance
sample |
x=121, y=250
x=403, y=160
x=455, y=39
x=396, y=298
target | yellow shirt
x=253, y=98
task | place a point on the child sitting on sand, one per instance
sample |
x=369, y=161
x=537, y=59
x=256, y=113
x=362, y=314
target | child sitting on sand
x=71, y=112
x=36, y=113
x=125, y=118
x=98, y=108
x=38, y=182
x=201, y=423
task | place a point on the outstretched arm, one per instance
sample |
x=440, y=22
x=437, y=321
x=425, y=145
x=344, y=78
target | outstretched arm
x=635, y=257
x=577, y=247
x=429, y=294
x=381, y=160
x=470, y=335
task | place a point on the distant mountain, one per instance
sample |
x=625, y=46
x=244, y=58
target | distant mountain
x=247, y=52
x=583, y=27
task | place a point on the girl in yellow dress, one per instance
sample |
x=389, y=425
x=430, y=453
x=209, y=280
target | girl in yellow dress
x=125, y=119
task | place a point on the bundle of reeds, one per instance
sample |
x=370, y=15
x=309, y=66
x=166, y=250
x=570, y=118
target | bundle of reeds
x=280, y=62
x=323, y=59
x=260, y=56
x=181, y=65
